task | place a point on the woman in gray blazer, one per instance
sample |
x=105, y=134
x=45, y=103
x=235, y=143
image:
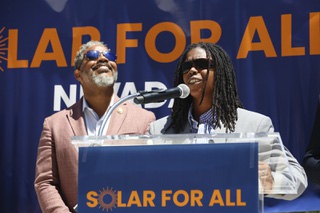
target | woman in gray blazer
x=213, y=106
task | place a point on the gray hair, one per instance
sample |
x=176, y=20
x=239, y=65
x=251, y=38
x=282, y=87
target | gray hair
x=79, y=56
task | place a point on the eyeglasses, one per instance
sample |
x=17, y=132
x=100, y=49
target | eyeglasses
x=199, y=64
x=95, y=54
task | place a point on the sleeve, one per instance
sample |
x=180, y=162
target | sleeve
x=286, y=170
x=292, y=177
x=46, y=176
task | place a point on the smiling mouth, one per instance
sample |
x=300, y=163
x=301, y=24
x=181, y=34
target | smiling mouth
x=194, y=81
x=101, y=66
x=103, y=69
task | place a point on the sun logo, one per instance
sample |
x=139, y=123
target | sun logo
x=2, y=49
x=107, y=199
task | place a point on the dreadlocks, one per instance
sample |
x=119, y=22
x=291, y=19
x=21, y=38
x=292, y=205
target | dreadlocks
x=225, y=100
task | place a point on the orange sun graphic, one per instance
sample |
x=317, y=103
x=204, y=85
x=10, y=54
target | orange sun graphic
x=3, y=49
x=110, y=195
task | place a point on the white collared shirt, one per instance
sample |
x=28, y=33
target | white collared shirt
x=92, y=120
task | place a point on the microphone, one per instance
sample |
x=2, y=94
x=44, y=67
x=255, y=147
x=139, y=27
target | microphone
x=181, y=91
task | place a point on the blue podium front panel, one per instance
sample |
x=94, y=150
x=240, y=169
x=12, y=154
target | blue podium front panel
x=169, y=178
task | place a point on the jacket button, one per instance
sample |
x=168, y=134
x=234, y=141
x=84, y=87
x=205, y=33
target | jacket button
x=120, y=110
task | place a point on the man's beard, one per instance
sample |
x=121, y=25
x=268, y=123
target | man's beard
x=102, y=80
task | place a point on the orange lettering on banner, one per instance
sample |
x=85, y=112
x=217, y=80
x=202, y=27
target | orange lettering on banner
x=13, y=61
x=228, y=199
x=239, y=198
x=195, y=197
x=314, y=28
x=256, y=24
x=49, y=36
x=183, y=194
x=91, y=196
x=119, y=203
x=197, y=26
x=150, y=42
x=216, y=198
x=255, y=38
x=286, y=38
x=148, y=197
x=78, y=33
x=123, y=42
x=165, y=197
x=134, y=199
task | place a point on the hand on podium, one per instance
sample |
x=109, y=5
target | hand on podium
x=265, y=176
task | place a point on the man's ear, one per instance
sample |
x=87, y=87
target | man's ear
x=77, y=74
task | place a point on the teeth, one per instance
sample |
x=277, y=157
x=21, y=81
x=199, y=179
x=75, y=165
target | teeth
x=192, y=81
x=99, y=66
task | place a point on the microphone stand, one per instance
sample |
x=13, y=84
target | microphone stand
x=112, y=108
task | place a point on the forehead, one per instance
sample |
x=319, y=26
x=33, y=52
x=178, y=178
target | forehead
x=96, y=47
x=195, y=53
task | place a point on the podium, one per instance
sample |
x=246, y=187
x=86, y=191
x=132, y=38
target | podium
x=178, y=173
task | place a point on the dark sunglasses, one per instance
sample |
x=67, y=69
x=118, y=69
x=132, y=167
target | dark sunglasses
x=199, y=64
x=95, y=54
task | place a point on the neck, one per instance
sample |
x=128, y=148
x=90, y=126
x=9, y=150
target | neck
x=198, y=110
x=100, y=101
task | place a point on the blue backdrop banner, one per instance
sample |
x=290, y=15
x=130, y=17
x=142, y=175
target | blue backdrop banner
x=274, y=46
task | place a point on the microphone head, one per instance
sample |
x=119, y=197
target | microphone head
x=185, y=90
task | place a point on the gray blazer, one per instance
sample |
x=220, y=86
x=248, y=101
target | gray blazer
x=252, y=122
x=248, y=121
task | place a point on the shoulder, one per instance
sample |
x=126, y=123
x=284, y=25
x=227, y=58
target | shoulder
x=134, y=110
x=74, y=110
x=255, y=115
x=249, y=121
x=138, y=110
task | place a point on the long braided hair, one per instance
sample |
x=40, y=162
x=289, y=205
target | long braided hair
x=225, y=100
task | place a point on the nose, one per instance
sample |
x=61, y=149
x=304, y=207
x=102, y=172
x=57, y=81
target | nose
x=102, y=57
x=193, y=71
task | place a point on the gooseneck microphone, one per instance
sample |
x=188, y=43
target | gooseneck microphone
x=181, y=91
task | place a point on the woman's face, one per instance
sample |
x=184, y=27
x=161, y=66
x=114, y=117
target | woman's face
x=195, y=71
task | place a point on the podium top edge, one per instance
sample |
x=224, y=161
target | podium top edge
x=248, y=135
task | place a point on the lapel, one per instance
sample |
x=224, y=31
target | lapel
x=117, y=117
x=75, y=118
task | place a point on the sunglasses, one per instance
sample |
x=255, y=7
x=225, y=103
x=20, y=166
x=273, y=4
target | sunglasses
x=95, y=54
x=199, y=64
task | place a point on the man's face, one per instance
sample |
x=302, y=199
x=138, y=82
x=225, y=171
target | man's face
x=97, y=68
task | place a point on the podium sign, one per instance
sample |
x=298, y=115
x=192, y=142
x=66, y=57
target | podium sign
x=166, y=178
